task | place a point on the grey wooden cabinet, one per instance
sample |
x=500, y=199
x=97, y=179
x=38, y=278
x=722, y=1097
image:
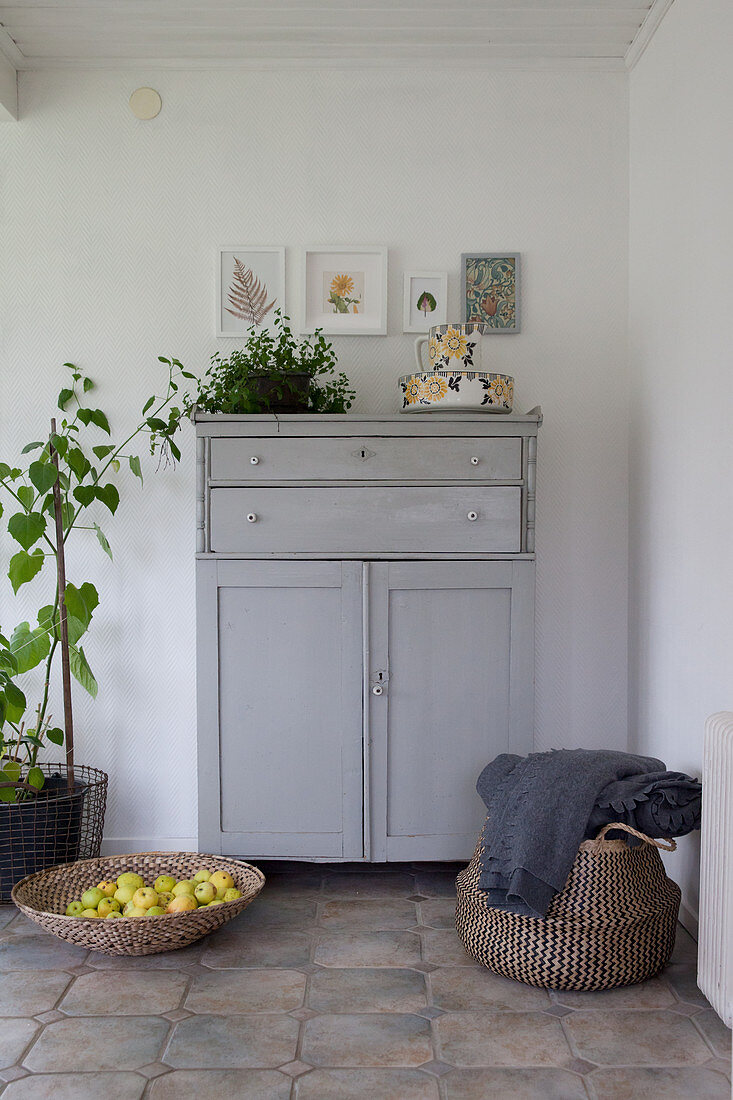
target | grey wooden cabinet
x=365, y=595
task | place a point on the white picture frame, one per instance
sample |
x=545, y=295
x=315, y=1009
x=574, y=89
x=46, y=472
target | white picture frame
x=267, y=267
x=415, y=283
x=357, y=276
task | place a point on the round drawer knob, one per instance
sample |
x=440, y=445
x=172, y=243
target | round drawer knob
x=377, y=690
x=254, y=460
x=251, y=517
x=473, y=516
x=474, y=461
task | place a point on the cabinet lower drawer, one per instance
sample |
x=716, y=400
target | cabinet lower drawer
x=368, y=457
x=457, y=519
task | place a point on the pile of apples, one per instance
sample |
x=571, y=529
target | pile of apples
x=128, y=896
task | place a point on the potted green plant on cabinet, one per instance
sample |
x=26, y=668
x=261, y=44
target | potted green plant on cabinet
x=53, y=813
x=275, y=372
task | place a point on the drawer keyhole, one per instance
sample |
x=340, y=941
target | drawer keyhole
x=251, y=517
x=472, y=516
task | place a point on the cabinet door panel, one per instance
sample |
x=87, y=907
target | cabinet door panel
x=288, y=736
x=454, y=640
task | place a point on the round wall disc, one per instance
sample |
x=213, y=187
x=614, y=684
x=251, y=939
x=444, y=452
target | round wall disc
x=145, y=103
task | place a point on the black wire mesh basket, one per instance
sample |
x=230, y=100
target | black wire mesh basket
x=57, y=825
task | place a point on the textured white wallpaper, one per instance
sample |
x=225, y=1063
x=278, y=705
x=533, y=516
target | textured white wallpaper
x=681, y=512
x=109, y=228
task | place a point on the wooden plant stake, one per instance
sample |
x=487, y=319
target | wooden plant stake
x=63, y=624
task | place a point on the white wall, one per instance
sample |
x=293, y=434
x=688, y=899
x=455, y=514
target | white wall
x=109, y=228
x=681, y=523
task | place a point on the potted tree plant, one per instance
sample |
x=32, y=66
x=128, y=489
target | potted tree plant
x=275, y=372
x=53, y=813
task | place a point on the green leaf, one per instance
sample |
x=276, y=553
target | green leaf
x=64, y=397
x=5, y=470
x=15, y=696
x=148, y=404
x=8, y=794
x=26, y=496
x=43, y=475
x=78, y=463
x=46, y=619
x=55, y=735
x=108, y=495
x=36, y=778
x=81, y=671
x=103, y=450
x=81, y=602
x=135, y=467
x=24, y=566
x=60, y=443
x=88, y=385
x=11, y=770
x=27, y=528
x=102, y=539
x=94, y=416
x=31, y=447
x=174, y=450
x=85, y=494
x=156, y=424
x=29, y=647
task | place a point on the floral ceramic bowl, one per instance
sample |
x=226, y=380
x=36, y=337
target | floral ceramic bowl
x=439, y=391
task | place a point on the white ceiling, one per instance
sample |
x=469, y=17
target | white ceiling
x=39, y=34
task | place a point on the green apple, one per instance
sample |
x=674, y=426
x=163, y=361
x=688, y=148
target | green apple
x=232, y=894
x=164, y=897
x=145, y=897
x=155, y=911
x=202, y=876
x=204, y=893
x=221, y=881
x=107, y=906
x=113, y=913
x=185, y=886
x=90, y=899
x=108, y=888
x=123, y=894
x=164, y=884
x=90, y=913
x=74, y=909
x=129, y=878
x=216, y=901
x=134, y=911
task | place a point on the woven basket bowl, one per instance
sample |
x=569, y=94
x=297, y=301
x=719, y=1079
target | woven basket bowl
x=613, y=924
x=43, y=898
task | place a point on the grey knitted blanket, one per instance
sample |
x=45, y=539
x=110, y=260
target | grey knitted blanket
x=540, y=808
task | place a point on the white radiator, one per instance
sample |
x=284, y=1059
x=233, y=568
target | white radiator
x=715, y=951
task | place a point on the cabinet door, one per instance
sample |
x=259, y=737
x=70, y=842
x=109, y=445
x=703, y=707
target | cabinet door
x=280, y=715
x=450, y=650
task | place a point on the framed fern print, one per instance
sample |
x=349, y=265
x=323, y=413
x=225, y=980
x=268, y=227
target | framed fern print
x=490, y=290
x=344, y=290
x=250, y=287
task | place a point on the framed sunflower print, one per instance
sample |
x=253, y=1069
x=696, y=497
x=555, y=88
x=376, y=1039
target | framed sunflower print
x=425, y=300
x=344, y=290
x=490, y=290
x=250, y=287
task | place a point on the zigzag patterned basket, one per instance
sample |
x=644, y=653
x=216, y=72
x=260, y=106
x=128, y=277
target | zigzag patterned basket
x=614, y=923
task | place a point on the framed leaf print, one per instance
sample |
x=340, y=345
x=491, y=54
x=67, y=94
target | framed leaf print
x=490, y=289
x=344, y=290
x=250, y=287
x=425, y=300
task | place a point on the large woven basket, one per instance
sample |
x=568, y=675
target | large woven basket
x=44, y=897
x=614, y=923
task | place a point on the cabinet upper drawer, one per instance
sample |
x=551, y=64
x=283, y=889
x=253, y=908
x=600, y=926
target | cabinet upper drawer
x=388, y=519
x=366, y=458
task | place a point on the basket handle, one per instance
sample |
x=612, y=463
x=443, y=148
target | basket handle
x=666, y=845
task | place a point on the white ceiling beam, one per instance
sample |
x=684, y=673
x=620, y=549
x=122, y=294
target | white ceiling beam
x=646, y=31
x=8, y=86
